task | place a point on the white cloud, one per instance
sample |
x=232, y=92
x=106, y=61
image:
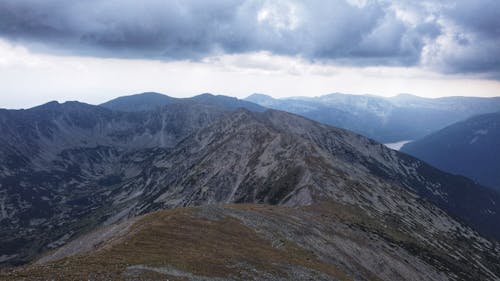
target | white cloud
x=280, y=15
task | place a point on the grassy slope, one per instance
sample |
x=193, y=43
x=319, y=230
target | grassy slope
x=326, y=241
x=189, y=243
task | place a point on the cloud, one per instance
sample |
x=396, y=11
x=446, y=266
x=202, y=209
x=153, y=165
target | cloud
x=32, y=78
x=457, y=37
x=470, y=43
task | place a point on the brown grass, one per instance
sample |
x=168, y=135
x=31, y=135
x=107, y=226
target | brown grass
x=180, y=239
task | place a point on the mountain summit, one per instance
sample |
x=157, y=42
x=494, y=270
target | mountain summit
x=139, y=102
x=151, y=101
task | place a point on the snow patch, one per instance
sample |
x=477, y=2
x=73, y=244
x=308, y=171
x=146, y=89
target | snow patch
x=481, y=132
x=397, y=145
x=478, y=133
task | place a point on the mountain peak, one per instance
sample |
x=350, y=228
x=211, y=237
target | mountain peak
x=261, y=99
x=138, y=102
x=150, y=100
x=49, y=105
x=205, y=95
x=55, y=105
x=259, y=96
x=406, y=95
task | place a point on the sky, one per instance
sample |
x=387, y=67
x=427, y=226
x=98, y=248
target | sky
x=96, y=50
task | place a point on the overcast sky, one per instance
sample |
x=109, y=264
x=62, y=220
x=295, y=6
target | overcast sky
x=93, y=50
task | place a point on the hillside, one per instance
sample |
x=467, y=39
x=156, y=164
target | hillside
x=469, y=148
x=259, y=242
x=400, y=118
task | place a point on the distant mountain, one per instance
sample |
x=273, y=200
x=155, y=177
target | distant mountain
x=150, y=101
x=387, y=120
x=139, y=102
x=470, y=148
x=230, y=103
x=319, y=202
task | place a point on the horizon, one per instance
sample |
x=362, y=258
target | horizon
x=239, y=98
x=92, y=51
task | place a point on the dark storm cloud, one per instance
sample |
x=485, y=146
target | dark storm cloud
x=475, y=37
x=353, y=32
x=172, y=29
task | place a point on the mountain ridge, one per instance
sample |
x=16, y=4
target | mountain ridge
x=217, y=155
x=151, y=100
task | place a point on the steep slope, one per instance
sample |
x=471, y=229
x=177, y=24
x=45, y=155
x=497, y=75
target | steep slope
x=279, y=158
x=267, y=157
x=470, y=148
x=58, y=163
x=403, y=117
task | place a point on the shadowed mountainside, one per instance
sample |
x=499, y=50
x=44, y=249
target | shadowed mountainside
x=470, y=148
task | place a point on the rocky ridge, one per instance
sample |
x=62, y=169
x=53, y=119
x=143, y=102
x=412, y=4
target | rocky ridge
x=125, y=169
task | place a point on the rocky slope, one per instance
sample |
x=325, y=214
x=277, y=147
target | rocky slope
x=110, y=166
x=279, y=158
x=325, y=241
x=470, y=148
x=59, y=162
x=387, y=120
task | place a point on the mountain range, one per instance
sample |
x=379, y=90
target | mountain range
x=399, y=118
x=470, y=148
x=215, y=188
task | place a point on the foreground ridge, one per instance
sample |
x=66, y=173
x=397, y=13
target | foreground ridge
x=250, y=242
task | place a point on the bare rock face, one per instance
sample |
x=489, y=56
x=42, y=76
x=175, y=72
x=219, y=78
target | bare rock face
x=74, y=167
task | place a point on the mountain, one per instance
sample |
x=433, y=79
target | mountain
x=387, y=120
x=224, y=101
x=312, y=201
x=139, y=102
x=470, y=148
x=150, y=101
x=59, y=161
